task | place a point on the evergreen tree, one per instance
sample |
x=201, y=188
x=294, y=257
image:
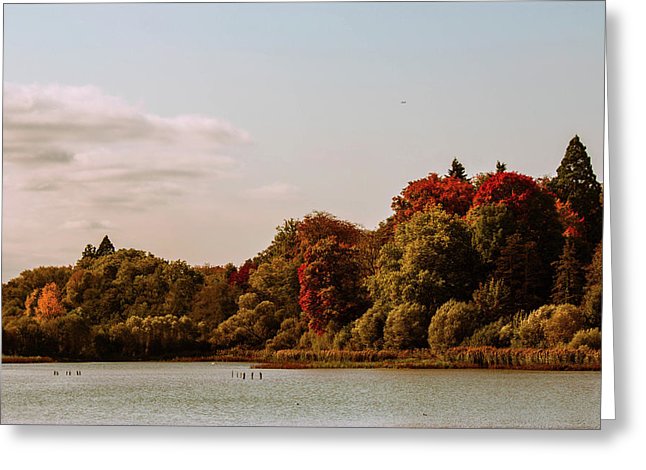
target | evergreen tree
x=105, y=248
x=89, y=251
x=577, y=184
x=568, y=279
x=457, y=170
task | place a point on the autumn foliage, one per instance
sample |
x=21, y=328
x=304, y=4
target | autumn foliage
x=458, y=263
x=451, y=193
x=49, y=302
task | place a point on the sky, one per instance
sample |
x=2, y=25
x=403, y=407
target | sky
x=193, y=130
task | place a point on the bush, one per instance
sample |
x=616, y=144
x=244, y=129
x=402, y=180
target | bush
x=452, y=323
x=368, y=331
x=492, y=334
x=406, y=327
x=590, y=338
x=530, y=332
x=591, y=306
x=564, y=322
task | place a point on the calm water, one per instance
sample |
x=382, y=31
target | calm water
x=207, y=394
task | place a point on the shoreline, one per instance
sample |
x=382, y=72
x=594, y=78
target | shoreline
x=454, y=358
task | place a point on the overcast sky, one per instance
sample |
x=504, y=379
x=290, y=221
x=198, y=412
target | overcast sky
x=192, y=130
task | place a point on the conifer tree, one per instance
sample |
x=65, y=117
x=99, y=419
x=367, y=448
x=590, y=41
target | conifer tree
x=105, y=248
x=568, y=279
x=457, y=170
x=577, y=184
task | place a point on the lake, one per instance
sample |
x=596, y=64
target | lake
x=214, y=394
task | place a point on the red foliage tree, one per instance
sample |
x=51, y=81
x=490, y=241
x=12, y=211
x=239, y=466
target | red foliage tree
x=240, y=276
x=319, y=225
x=330, y=285
x=453, y=194
x=573, y=224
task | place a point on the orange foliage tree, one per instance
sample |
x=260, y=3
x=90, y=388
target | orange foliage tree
x=49, y=303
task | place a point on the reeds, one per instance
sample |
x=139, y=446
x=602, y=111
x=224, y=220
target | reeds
x=524, y=358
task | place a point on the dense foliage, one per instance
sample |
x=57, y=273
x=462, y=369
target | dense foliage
x=498, y=260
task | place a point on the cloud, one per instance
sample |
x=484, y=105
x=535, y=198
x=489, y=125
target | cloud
x=88, y=144
x=274, y=191
x=87, y=225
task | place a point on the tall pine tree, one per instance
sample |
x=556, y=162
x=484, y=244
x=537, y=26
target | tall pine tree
x=577, y=184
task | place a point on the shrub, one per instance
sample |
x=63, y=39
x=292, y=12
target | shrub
x=405, y=327
x=530, y=332
x=452, y=323
x=590, y=338
x=564, y=322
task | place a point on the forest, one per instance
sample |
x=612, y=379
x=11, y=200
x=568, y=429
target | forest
x=500, y=261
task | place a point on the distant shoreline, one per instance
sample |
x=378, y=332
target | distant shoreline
x=582, y=359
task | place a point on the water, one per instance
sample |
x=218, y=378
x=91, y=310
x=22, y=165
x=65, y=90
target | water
x=199, y=394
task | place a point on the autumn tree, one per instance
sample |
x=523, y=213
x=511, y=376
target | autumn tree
x=49, y=302
x=320, y=225
x=516, y=229
x=331, y=289
x=453, y=194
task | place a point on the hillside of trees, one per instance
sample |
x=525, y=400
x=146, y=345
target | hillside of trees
x=500, y=259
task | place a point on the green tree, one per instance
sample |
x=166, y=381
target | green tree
x=368, y=330
x=105, y=248
x=457, y=170
x=592, y=301
x=429, y=261
x=406, y=326
x=452, y=323
x=568, y=280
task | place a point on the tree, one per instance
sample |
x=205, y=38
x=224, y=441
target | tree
x=331, y=288
x=89, y=251
x=105, y=248
x=430, y=261
x=49, y=303
x=592, y=302
x=493, y=301
x=517, y=231
x=568, y=279
x=562, y=325
x=453, y=194
x=368, y=331
x=500, y=167
x=452, y=323
x=406, y=326
x=577, y=184
x=522, y=268
x=457, y=170
x=284, y=245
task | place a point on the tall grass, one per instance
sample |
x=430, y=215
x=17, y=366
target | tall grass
x=525, y=358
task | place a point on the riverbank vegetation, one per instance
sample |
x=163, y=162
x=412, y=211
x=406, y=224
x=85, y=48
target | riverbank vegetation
x=497, y=270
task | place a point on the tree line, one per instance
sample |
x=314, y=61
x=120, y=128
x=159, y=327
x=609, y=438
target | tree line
x=499, y=259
